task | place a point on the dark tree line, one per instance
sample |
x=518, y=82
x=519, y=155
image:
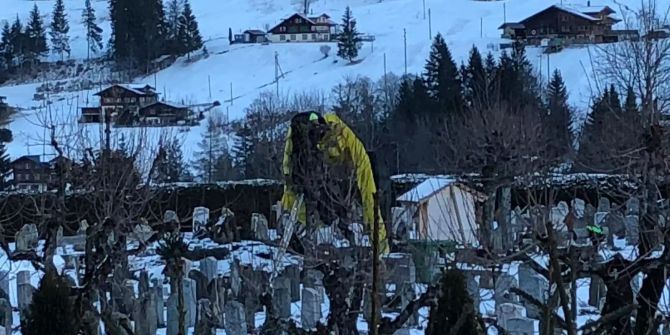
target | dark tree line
x=22, y=45
x=142, y=32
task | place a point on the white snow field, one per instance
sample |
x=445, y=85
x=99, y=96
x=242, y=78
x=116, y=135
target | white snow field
x=250, y=68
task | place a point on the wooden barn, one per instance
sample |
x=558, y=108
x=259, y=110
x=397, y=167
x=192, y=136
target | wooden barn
x=300, y=28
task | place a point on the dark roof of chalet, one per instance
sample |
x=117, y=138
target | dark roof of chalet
x=593, y=9
x=254, y=32
x=32, y=158
x=310, y=20
x=130, y=88
x=166, y=103
x=513, y=25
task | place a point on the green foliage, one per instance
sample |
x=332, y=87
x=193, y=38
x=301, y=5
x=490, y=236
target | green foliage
x=169, y=165
x=51, y=309
x=454, y=308
x=189, y=34
x=93, y=31
x=443, y=81
x=36, y=36
x=60, y=41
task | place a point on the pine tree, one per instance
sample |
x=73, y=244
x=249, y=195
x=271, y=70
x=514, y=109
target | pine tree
x=174, y=10
x=475, y=80
x=230, y=35
x=36, y=44
x=349, y=41
x=19, y=41
x=138, y=31
x=188, y=30
x=558, y=121
x=6, y=48
x=443, y=80
x=169, y=164
x=212, y=159
x=598, y=144
x=93, y=31
x=51, y=309
x=5, y=167
x=243, y=151
x=59, y=29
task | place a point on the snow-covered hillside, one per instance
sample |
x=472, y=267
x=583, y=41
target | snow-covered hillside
x=248, y=69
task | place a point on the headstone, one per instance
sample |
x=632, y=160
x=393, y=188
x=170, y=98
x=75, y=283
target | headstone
x=325, y=235
x=603, y=204
x=633, y=206
x=201, y=283
x=259, y=225
x=557, y=215
x=157, y=291
x=537, y=287
x=217, y=295
x=171, y=217
x=310, y=313
x=400, y=268
x=292, y=272
x=146, y=320
x=589, y=214
x=209, y=267
x=520, y=326
x=314, y=279
x=581, y=236
x=83, y=226
x=6, y=316
x=597, y=291
x=502, y=293
x=507, y=311
x=615, y=221
x=4, y=283
x=24, y=290
x=190, y=301
x=235, y=323
x=200, y=218
x=27, y=238
x=143, y=231
x=144, y=283
x=599, y=218
x=281, y=297
x=407, y=295
x=632, y=229
x=206, y=319
x=173, y=316
x=235, y=278
x=578, y=205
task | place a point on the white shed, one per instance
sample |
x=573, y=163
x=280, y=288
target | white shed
x=444, y=210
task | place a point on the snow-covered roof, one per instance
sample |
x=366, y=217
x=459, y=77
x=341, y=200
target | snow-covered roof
x=591, y=9
x=134, y=88
x=576, y=12
x=426, y=189
x=168, y=103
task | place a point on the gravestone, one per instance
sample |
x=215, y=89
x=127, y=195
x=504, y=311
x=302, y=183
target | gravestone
x=292, y=272
x=502, y=288
x=589, y=214
x=190, y=301
x=235, y=322
x=24, y=290
x=632, y=229
x=597, y=291
x=217, y=295
x=633, y=206
x=6, y=316
x=143, y=231
x=235, y=278
x=558, y=214
x=472, y=286
x=207, y=320
x=146, y=320
x=407, y=295
x=578, y=206
x=83, y=226
x=173, y=315
x=314, y=279
x=4, y=284
x=536, y=286
x=325, y=235
x=281, y=297
x=400, y=268
x=520, y=326
x=600, y=218
x=507, y=311
x=209, y=267
x=201, y=283
x=259, y=225
x=310, y=312
x=200, y=218
x=170, y=217
x=603, y=204
x=143, y=286
x=615, y=221
x=157, y=291
x=27, y=238
x=581, y=236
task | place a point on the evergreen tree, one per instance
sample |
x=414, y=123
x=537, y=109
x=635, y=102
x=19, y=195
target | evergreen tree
x=349, y=41
x=93, y=31
x=558, y=121
x=5, y=167
x=189, y=35
x=6, y=48
x=51, y=309
x=138, y=30
x=243, y=151
x=598, y=145
x=59, y=30
x=36, y=43
x=453, y=302
x=19, y=40
x=174, y=11
x=212, y=160
x=169, y=165
x=475, y=80
x=230, y=35
x=443, y=80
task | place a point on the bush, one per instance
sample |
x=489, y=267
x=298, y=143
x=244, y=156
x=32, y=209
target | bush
x=51, y=311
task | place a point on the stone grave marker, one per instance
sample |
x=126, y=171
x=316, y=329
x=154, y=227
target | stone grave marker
x=536, y=286
x=235, y=322
x=27, y=238
x=157, y=291
x=190, y=300
x=632, y=229
x=310, y=313
x=615, y=221
x=407, y=295
x=209, y=267
x=507, y=311
x=281, y=297
x=200, y=218
x=520, y=326
x=24, y=290
x=502, y=293
x=633, y=206
x=578, y=206
x=6, y=316
x=589, y=214
x=259, y=225
x=292, y=272
x=603, y=204
x=200, y=282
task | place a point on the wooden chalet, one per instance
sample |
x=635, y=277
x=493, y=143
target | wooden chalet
x=30, y=173
x=577, y=24
x=254, y=36
x=133, y=105
x=300, y=28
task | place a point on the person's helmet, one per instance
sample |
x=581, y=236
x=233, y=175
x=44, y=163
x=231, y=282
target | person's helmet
x=308, y=125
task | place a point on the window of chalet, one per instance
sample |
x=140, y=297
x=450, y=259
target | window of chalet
x=298, y=20
x=564, y=18
x=313, y=28
x=282, y=29
x=314, y=36
x=282, y=37
x=305, y=37
x=292, y=37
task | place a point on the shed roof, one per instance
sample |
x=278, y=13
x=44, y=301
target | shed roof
x=426, y=189
x=254, y=32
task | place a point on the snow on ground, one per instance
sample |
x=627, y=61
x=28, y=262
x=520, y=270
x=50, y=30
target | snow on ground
x=250, y=68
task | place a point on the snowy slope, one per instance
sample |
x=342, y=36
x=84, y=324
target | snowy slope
x=250, y=68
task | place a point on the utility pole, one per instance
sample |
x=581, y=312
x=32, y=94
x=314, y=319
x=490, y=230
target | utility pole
x=430, y=25
x=424, y=9
x=404, y=31
x=504, y=13
x=481, y=27
x=548, y=70
x=231, y=93
x=209, y=85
